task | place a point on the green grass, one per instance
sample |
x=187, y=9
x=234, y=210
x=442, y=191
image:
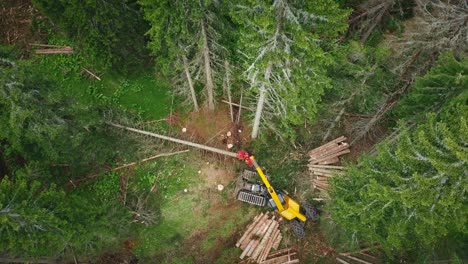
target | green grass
x=139, y=93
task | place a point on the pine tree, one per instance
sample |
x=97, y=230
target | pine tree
x=188, y=36
x=441, y=84
x=411, y=195
x=110, y=33
x=283, y=43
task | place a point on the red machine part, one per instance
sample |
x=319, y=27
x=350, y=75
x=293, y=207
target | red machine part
x=244, y=155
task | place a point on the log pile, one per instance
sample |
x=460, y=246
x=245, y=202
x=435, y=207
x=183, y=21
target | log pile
x=365, y=256
x=52, y=49
x=262, y=235
x=321, y=159
x=283, y=256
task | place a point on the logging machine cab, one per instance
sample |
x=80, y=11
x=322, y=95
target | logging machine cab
x=263, y=193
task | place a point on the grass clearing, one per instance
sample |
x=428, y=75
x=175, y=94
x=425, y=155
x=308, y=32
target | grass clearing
x=140, y=93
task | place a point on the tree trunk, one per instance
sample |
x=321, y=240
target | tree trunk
x=228, y=88
x=261, y=102
x=208, y=74
x=190, y=83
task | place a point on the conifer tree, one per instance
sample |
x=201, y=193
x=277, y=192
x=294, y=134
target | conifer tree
x=187, y=36
x=413, y=194
x=283, y=43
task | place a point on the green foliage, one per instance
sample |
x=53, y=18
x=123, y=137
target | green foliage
x=292, y=39
x=430, y=92
x=40, y=122
x=41, y=221
x=410, y=196
x=110, y=33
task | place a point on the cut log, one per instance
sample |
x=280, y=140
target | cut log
x=254, y=246
x=245, y=240
x=277, y=242
x=64, y=50
x=179, y=141
x=342, y=261
x=266, y=250
x=330, y=161
x=358, y=259
x=92, y=74
x=334, y=155
x=324, y=149
x=246, y=249
x=249, y=229
x=326, y=167
x=330, y=152
x=335, y=141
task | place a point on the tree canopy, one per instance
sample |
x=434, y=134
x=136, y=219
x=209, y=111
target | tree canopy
x=411, y=195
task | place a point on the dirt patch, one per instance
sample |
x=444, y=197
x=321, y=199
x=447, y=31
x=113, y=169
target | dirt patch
x=214, y=175
x=215, y=128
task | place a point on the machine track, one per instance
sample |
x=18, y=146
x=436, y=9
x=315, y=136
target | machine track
x=251, y=198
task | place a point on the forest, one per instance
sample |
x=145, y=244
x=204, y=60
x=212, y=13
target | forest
x=280, y=79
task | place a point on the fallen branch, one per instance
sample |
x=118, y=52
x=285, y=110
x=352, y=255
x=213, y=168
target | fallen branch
x=77, y=182
x=92, y=74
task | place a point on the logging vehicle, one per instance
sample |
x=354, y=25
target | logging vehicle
x=252, y=191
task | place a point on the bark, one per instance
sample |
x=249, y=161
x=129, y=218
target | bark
x=179, y=141
x=228, y=88
x=261, y=102
x=207, y=63
x=190, y=83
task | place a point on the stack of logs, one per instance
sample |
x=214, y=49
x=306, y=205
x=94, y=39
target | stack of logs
x=261, y=236
x=52, y=49
x=365, y=256
x=322, y=157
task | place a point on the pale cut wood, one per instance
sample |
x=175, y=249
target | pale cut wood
x=264, y=238
x=330, y=161
x=244, y=252
x=65, y=50
x=257, y=231
x=342, y=261
x=329, y=152
x=335, y=141
x=326, y=167
x=335, y=155
x=243, y=243
x=367, y=255
x=320, y=188
x=323, y=148
x=321, y=174
x=266, y=250
x=267, y=246
x=254, y=246
x=358, y=259
x=277, y=242
x=179, y=141
x=92, y=74
x=46, y=45
x=326, y=145
x=249, y=229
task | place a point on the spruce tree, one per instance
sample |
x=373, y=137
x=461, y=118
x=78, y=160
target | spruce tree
x=412, y=195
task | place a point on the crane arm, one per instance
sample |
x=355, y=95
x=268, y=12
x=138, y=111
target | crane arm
x=250, y=160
